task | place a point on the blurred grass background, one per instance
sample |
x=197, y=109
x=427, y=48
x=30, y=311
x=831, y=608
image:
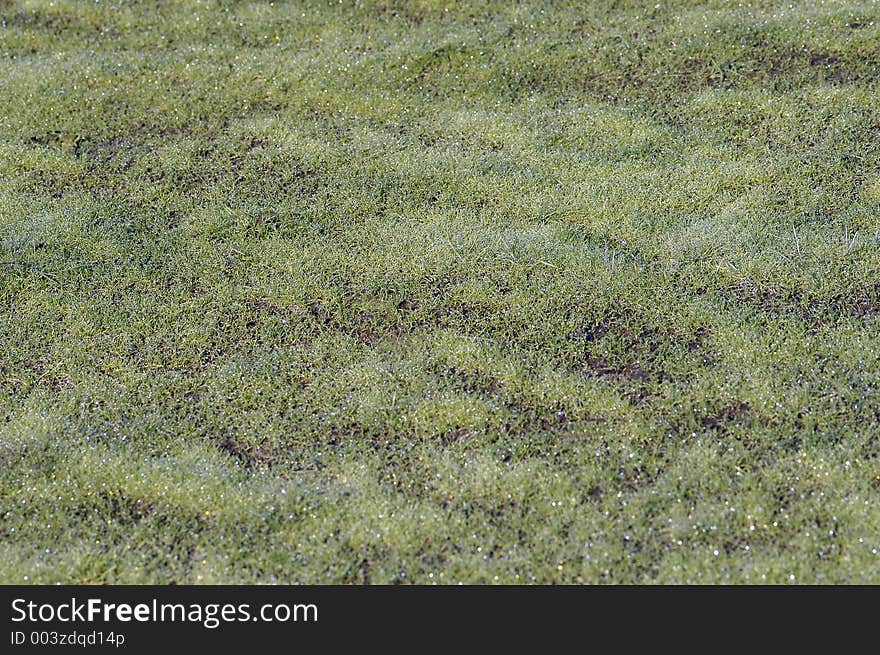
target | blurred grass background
x=435, y=291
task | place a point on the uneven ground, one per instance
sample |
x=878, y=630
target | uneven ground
x=438, y=291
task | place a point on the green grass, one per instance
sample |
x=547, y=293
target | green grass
x=434, y=291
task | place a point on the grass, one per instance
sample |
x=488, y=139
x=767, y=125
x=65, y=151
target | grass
x=434, y=291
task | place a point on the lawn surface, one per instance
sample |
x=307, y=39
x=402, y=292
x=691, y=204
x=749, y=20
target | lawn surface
x=433, y=291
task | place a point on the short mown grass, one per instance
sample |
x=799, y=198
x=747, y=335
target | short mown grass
x=436, y=291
